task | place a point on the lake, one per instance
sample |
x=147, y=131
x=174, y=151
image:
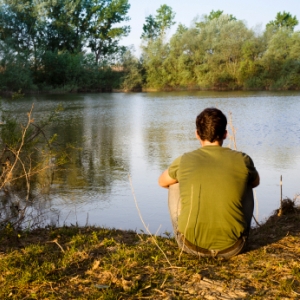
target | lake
x=140, y=134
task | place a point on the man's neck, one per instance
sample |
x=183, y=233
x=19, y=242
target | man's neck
x=208, y=143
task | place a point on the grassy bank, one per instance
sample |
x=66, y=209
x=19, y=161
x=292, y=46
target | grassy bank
x=99, y=263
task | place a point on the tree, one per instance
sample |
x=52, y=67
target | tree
x=150, y=29
x=251, y=68
x=165, y=18
x=100, y=19
x=156, y=26
x=214, y=15
x=20, y=26
x=281, y=60
x=284, y=19
x=155, y=51
x=133, y=79
x=45, y=41
x=65, y=30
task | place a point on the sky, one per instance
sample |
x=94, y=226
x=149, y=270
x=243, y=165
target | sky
x=255, y=13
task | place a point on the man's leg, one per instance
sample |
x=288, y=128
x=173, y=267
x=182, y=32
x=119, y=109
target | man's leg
x=174, y=209
x=174, y=205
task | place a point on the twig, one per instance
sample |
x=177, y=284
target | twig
x=281, y=192
x=162, y=285
x=55, y=242
x=233, y=130
x=256, y=221
x=87, y=220
x=296, y=292
x=17, y=153
x=161, y=292
x=141, y=218
x=175, y=291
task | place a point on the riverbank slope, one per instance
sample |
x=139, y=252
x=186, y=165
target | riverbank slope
x=99, y=263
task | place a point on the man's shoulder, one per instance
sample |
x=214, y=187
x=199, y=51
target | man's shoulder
x=235, y=152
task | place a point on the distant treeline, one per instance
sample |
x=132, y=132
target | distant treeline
x=61, y=44
x=74, y=46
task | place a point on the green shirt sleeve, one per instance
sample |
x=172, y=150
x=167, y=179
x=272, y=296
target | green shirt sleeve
x=173, y=169
x=252, y=172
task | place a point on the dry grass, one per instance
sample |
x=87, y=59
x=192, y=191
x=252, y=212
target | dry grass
x=98, y=263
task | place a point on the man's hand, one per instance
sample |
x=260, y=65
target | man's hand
x=165, y=180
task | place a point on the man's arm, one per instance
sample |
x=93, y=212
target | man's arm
x=256, y=182
x=165, y=180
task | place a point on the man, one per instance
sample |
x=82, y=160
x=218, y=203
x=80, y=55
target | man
x=211, y=214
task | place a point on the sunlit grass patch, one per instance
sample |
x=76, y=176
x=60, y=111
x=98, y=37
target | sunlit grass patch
x=101, y=263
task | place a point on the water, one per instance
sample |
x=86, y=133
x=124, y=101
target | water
x=140, y=134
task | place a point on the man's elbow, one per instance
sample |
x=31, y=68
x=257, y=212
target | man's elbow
x=162, y=182
x=165, y=180
x=163, y=185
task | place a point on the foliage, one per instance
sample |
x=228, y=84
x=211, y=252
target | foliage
x=214, y=15
x=155, y=51
x=150, y=28
x=61, y=68
x=44, y=43
x=220, y=52
x=99, y=263
x=72, y=46
x=284, y=20
x=102, y=36
x=27, y=162
x=133, y=79
x=155, y=27
x=15, y=71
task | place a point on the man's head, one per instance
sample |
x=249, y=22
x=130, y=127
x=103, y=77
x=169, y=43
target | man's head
x=211, y=125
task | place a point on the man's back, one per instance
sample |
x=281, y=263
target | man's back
x=216, y=197
x=217, y=180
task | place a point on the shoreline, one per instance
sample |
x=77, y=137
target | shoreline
x=58, y=91
x=100, y=263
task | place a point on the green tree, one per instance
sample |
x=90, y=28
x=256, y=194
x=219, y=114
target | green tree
x=218, y=53
x=214, y=15
x=281, y=60
x=150, y=29
x=251, y=70
x=155, y=51
x=284, y=19
x=155, y=27
x=64, y=30
x=133, y=78
x=45, y=34
x=101, y=31
x=165, y=18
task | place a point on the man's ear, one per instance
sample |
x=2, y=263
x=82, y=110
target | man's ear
x=197, y=135
x=225, y=135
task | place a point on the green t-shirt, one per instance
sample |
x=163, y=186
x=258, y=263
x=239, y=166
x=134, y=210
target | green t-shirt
x=213, y=184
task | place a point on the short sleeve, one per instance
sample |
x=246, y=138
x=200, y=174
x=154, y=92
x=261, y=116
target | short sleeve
x=173, y=169
x=252, y=172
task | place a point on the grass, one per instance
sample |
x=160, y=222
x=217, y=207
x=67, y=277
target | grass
x=100, y=263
